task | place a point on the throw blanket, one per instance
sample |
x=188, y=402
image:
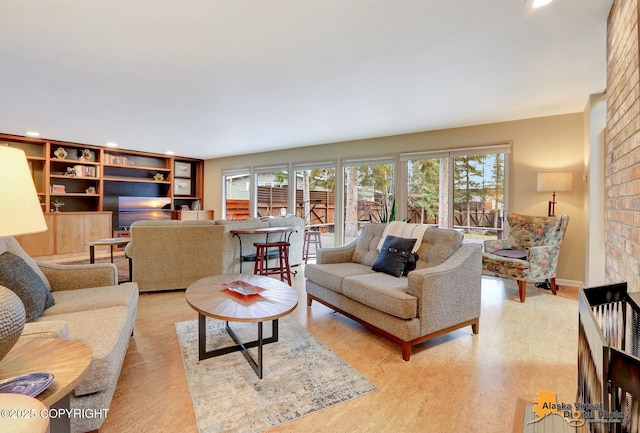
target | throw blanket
x=404, y=230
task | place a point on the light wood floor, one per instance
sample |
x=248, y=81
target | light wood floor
x=458, y=382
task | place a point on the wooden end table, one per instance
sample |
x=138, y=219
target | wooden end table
x=67, y=360
x=210, y=298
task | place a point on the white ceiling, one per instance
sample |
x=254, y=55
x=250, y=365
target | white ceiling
x=212, y=78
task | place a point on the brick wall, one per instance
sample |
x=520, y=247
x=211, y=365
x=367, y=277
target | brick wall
x=622, y=219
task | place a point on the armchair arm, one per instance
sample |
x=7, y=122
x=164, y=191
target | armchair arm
x=449, y=294
x=341, y=254
x=542, y=262
x=495, y=244
x=69, y=277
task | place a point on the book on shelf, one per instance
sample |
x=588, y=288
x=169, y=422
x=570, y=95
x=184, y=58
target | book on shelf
x=58, y=189
x=86, y=171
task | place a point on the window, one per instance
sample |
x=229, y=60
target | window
x=272, y=191
x=462, y=189
x=368, y=194
x=315, y=198
x=237, y=194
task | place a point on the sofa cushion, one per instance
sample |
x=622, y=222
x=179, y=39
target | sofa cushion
x=107, y=332
x=394, y=255
x=437, y=246
x=18, y=276
x=366, y=251
x=331, y=275
x=382, y=292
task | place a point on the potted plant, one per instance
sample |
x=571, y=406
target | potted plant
x=57, y=203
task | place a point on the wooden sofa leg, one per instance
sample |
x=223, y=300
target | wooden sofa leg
x=309, y=300
x=475, y=326
x=406, y=350
x=522, y=288
x=553, y=285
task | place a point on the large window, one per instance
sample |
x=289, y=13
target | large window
x=273, y=191
x=237, y=194
x=315, y=198
x=462, y=189
x=368, y=194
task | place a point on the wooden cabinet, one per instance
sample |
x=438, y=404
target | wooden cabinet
x=67, y=233
x=192, y=215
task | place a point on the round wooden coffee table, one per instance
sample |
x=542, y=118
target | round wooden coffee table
x=240, y=298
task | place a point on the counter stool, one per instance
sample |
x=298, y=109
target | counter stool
x=261, y=266
x=311, y=237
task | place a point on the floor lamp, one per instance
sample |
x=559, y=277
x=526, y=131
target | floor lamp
x=554, y=182
x=20, y=213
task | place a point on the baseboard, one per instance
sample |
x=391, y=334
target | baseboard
x=570, y=283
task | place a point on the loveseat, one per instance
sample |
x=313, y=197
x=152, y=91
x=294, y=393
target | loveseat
x=168, y=255
x=89, y=306
x=442, y=293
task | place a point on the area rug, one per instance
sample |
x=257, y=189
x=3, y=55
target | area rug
x=300, y=376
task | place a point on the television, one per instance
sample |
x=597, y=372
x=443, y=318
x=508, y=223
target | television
x=131, y=209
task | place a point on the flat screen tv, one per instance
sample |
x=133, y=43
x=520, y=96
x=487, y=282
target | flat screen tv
x=131, y=209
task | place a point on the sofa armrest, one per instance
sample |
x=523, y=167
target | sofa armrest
x=450, y=293
x=341, y=254
x=46, y=329
x=69, y=277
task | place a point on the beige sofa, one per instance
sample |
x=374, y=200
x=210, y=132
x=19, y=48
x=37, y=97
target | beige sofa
x=442, y=294
x=168, y=255
x=90, y=307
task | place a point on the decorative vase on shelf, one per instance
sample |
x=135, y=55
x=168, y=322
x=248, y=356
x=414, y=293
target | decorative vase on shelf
x=57, y=204
x=12, y=318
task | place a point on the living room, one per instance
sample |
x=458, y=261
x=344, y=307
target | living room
x=573, y=142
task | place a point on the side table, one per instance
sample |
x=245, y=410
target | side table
x=67, y=360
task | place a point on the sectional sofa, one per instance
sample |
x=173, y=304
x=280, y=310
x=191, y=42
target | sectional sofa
x=168, y=255
x=89, y=306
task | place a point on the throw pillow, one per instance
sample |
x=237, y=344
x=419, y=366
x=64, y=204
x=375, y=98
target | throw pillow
x=394, y=255
x=17, y=275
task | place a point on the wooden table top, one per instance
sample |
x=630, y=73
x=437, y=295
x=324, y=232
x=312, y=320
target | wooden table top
x=263, y=230
x=67, y=360
x=22, y=414
x=209, y=298
x=110, y=241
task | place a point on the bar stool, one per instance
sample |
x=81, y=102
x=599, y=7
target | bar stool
x=311, y=237
x=261, y=266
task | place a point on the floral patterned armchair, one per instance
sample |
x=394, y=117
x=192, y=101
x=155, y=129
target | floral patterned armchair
x=537, y=239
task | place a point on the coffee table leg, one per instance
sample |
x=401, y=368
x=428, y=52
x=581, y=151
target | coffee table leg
x=62, y=423
x=239, y=346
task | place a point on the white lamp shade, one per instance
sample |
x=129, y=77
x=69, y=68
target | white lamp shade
x=555, y=182
x=20, y=211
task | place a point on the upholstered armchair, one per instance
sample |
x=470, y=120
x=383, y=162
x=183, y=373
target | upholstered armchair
x=530, y=251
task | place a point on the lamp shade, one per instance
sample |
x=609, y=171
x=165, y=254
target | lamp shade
x=20, y=211
x=555, y=182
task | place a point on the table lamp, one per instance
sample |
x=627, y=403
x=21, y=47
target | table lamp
x=554, y=182
x=20, y=214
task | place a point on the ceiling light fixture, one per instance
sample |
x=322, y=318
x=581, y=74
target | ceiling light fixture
x=170, y=152
x=32, y=134
x=111, y=144
x=539, y=3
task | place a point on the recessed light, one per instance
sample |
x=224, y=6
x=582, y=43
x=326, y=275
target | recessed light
x=170, y=152
x=32, y=134
x=111, y=144
x=539, y=3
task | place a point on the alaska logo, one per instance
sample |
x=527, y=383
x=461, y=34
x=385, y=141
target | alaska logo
x=546, y=403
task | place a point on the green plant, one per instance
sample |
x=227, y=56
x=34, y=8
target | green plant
x=385, y=215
